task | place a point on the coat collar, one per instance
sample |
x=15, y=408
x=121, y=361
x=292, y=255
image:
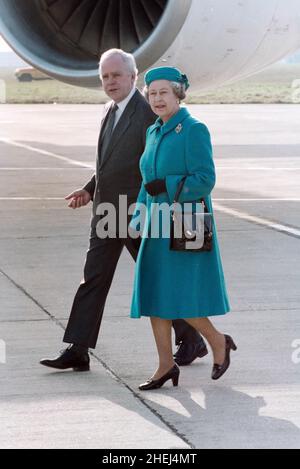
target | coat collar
x=172, y=123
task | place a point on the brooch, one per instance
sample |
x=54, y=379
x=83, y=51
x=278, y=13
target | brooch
x=178, y=128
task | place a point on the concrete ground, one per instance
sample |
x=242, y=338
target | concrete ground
x=46, y=151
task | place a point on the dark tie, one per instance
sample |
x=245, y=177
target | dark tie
x=108, y=130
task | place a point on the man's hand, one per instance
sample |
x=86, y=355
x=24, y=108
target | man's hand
x=78, y=198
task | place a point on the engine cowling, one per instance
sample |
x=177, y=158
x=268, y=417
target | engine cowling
x=212, y=42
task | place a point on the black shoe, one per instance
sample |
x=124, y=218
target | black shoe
x=188, y=352
x=219, y=370
x=69, y=358
x=172, y=374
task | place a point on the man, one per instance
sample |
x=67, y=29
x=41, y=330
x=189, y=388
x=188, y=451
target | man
x=120, y=146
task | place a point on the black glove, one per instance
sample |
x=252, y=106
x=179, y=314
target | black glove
x=158, y=186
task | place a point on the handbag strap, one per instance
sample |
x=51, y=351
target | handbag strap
x=179, y=190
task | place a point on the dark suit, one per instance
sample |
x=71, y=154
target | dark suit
x=117, y=172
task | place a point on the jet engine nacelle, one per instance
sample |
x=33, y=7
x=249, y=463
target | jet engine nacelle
x=213, y=41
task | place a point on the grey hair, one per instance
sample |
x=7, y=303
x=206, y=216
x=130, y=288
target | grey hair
x=178, y=89
x=127, y=58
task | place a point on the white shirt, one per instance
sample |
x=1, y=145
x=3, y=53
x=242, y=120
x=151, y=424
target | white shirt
x=122, y=106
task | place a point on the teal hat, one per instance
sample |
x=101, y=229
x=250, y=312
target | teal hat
x=166, y=73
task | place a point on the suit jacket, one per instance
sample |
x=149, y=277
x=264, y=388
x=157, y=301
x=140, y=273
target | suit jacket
x=117, y=171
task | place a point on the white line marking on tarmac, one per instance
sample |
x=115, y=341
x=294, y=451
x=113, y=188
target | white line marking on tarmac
x=286, y=199
x=257, y=220
x=32, y=198
x=45, y=169
x=257, y=168
x=45, y=152
x=91, y=165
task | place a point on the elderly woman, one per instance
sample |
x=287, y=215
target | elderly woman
x=170, y=284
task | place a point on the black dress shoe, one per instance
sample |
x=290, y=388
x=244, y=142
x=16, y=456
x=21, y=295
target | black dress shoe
x=69, y=358
x=188, y=352
x=219, y=370
x=172, y=374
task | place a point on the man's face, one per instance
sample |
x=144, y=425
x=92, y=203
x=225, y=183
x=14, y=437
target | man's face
x=117, y=80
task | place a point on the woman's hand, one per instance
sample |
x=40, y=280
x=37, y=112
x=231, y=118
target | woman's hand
x=158, y=186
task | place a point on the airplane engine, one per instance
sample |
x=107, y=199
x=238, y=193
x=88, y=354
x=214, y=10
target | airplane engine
x=213, y=41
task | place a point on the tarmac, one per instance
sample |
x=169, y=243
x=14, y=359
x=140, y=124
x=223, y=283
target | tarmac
x=47, y=151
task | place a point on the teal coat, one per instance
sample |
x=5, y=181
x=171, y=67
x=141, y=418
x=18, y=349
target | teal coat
x=170, y=284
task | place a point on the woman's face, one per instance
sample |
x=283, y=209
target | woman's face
x=162, y=99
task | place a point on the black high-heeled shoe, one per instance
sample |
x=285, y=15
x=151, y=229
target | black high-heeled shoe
x=172, y=374
x=219, y=370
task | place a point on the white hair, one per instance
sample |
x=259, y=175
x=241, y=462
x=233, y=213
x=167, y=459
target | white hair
x=178, y=89
x=127, y=58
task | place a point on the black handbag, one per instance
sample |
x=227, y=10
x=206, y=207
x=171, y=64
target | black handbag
x=191, y=231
